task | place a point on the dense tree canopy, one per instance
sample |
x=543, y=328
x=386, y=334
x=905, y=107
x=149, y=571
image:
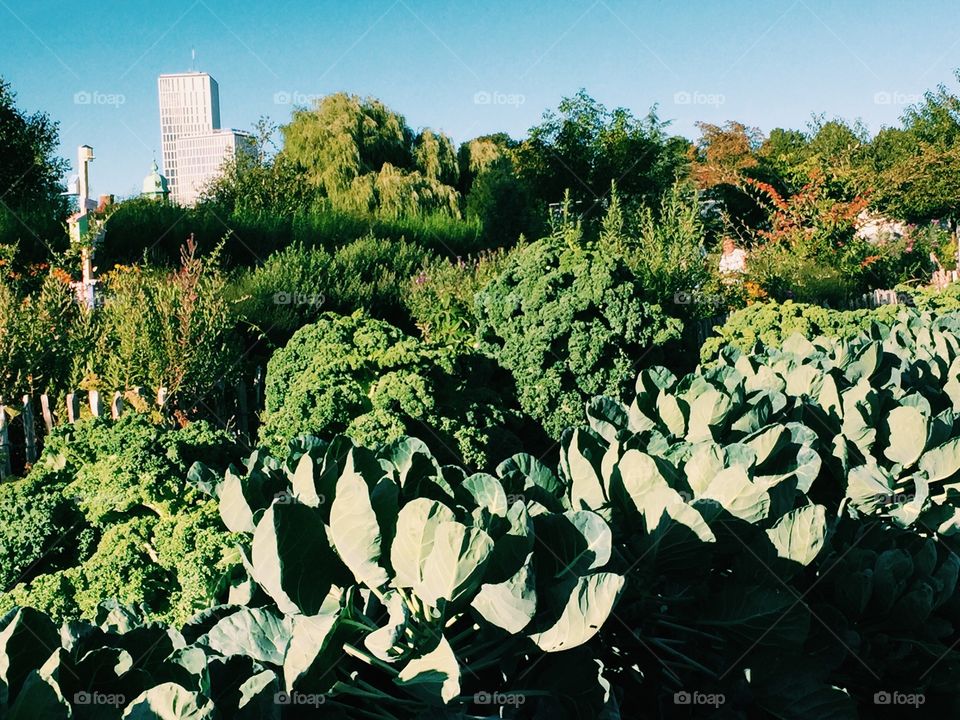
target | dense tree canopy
x=583, y=147
x=32, y=208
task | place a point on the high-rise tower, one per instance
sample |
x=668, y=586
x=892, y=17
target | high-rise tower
x=189, y=106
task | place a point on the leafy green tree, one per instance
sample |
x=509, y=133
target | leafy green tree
x=263, y=181
x=583, y=147
x=32, y=208
x=436, y=158
x=344, y=137
x=915, y=170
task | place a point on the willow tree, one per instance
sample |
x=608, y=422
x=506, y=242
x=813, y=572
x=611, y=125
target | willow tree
x=436, y=158
x=343, y=137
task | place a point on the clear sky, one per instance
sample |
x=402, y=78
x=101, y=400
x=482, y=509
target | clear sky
x=470, y=68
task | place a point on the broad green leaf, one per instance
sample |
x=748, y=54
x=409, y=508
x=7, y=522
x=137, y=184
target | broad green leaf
x=40, y=697
x=800, y=534
x=942, y=462
x=309, y=641
x=416, y=526
x=511, y=604
x=355, y=529
x=708, y=411
x=706, y=461
x=671, y=414
x=908, y=435
x=437, y=673
x=581, y=457
x=589, y=605
x=292, y=558
x=455, y=564
x=25, y=645
x=740, y=497
x=252, y=632
x=484, y=491
x=607, y=417
x=169, y=701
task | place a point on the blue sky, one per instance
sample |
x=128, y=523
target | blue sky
x=470, y=68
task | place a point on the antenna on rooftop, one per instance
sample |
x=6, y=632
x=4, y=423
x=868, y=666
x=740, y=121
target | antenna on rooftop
x=193, y=59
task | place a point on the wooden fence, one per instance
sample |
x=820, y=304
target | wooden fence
x=24, y=424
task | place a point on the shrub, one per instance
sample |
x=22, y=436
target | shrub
x=285, y=293
x=771, y=323
x=38, y=336
x=366, y=379
x=140, y=229
x=664, y=249
x=441, y=296
x=370, y=274
x=172, y=330
x=784, y=275
x=569, y=322
x=108, y=513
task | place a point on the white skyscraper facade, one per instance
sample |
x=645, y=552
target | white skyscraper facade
x=201, y=157
x=194, y=147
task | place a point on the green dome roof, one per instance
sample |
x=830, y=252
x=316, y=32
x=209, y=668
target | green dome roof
x=155, y=183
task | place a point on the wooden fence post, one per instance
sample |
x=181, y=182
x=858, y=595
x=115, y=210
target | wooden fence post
x=116, y=406
x=219, y=404
x=258, y=388
x=242, y=408
x=48, y=418
x=96, y=407
x=29, y=431
x=73, y=408
x=6, y=470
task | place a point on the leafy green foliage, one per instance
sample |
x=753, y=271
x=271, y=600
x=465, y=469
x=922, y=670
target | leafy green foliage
x=39, y=334
x=365, y=378
x=441, y=296
x=172, y=330
x=583, y=147
x=33, y=209
x=569, y=323
x=107, y=513
x=295, y=285
x=771, y=323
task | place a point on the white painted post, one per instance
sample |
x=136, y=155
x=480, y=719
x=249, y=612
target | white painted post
x=96, y=407
x=48, y=418
x=116, y=406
